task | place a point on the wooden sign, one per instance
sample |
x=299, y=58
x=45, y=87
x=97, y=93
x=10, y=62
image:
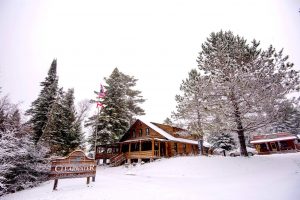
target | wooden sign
x=76, y=165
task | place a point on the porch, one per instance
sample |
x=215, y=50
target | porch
x=147, y=148
x=284, y=146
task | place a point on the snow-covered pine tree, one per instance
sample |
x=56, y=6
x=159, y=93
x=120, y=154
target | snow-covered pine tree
x=168, y=121
x=22, y=163
x=191, y=104
x=133, y=97
x=120, y=107
x=54, y=131
x=74, y=136
x=288, y=120
x=222, y=140
x=43, y=104
x=63, y=132
x=246, y=83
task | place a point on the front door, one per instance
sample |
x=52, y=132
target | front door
x=273, y=146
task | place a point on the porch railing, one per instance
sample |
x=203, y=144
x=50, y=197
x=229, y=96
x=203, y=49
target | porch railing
x=117, y=159
x=142, y=154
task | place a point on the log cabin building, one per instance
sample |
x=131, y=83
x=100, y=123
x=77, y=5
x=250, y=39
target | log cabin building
x=276, y=143
x=149, y=141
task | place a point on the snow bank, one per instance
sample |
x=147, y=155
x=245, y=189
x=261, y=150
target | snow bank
x=272, y=177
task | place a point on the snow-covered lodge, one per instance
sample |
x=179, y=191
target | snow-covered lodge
x=148, y=141
x=276, y=143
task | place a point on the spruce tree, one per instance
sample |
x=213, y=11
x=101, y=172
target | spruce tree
x=42, y=105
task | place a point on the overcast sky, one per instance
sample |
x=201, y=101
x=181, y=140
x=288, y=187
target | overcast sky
x=155, y=41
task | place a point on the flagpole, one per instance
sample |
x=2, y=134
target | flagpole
x=96, y=135
x=96, y=126
x=101, y=94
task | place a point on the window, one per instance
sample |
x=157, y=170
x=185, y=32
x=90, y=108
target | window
x=133, y=134
x=147, y=132
x=141, y=133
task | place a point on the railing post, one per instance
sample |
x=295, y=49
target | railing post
x=152, y=147
x=140, y=146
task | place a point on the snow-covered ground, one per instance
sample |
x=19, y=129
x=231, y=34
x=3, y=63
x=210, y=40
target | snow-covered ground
x=272, y=177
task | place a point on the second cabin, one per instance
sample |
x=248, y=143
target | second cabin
x=148, y=141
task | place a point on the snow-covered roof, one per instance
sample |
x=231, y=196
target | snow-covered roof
x=143, y=139
x=170, y=137
x=273, y=139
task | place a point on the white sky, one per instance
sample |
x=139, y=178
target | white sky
x=156, y=41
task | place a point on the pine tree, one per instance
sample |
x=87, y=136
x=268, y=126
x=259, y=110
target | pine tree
x=63, y=132
x=54, y=132
x=222, y=140
x=133, y=97
x=288, y=120
x=43, y=104
x=74, y=136
x=191, y=104
x=245, y=85
x=120, y=107
x=168, y=121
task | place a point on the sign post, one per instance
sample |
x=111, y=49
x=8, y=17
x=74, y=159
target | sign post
x=76, y=165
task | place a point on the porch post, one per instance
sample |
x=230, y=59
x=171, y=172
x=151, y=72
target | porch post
x=295, y=148
x=129, y=149
x=140, y=149
x=140, y=146
x=152, y=147
x=166, y=146
x=279, y=145
x=267, y=146
x=158, y=148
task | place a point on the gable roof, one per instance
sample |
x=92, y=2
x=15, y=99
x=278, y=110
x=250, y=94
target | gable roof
x=169, y=136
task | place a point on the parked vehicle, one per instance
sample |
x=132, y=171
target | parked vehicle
x=237, y=152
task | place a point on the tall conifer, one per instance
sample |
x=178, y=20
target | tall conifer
x=43, y=104
x=121, y=105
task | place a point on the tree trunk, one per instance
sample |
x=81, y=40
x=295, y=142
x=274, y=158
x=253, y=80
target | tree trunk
x=239, y=124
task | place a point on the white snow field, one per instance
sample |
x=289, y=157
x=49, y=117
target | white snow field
x=271, y=177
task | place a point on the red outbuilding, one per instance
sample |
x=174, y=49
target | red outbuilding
x=276, y=143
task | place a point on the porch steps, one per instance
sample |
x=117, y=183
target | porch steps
x=117, y=160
